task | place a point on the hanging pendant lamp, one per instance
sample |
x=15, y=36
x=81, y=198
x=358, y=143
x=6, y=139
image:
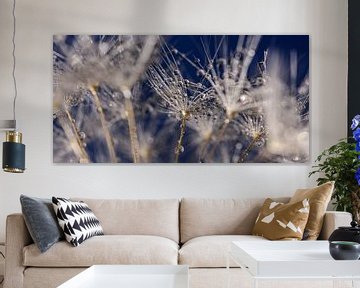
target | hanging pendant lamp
x=13, y=153
x=13, y=160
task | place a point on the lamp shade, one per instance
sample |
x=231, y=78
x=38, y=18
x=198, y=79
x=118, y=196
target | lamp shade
x=13, y=153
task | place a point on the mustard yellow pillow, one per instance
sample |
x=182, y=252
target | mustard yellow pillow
x=319, y=198
x=279, y=221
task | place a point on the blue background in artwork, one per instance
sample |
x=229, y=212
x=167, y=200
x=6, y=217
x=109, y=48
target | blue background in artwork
x=191, y=45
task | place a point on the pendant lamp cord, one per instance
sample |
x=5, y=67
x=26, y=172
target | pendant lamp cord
x=14, y=59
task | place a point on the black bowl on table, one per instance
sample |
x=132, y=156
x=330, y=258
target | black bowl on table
x=344, y=250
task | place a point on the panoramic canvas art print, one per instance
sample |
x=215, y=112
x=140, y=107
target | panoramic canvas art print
x=180, y=98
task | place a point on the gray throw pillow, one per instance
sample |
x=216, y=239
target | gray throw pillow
x=41, y=221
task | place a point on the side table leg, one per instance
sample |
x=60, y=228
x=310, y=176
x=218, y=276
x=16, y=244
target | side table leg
x=338, y=283
x=255, y=283
x=355, y=283
x=228, y=269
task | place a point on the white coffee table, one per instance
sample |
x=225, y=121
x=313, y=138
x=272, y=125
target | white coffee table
x=296, y=260
x=131, y=276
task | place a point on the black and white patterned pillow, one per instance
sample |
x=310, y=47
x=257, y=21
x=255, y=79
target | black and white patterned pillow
x=77, y=220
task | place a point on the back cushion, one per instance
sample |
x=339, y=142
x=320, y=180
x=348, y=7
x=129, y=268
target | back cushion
x=158, y=217
x=200, y=217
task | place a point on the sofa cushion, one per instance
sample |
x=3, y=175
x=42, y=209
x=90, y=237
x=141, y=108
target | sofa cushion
x=41, y=221
x=279, y=221
x=158, y=217
x=77, y=220
x=211, y=251
x=319, y=198
x=107, y=249
x=200, y=217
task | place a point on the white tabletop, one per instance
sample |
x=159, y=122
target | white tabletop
x=131, y=276
x=291, y=259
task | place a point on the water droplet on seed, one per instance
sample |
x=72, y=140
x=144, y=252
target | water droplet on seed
x=82, y=135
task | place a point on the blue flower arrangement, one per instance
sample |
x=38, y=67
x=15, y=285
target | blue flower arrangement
x=341, y=163
x=356, y=134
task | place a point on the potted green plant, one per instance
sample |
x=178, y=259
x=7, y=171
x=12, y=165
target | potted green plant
x=341, y=163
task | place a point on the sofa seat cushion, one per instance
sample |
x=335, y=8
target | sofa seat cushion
x=211, y=251
x=107, y=249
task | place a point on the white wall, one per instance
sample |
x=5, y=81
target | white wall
x=38, y=20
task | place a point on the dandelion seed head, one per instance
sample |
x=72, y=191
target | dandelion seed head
x=179, y=97
x=92, y=60
x=228, y=75
x=253, y=127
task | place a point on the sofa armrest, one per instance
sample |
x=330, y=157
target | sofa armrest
x=333, y=220
x=17, y=237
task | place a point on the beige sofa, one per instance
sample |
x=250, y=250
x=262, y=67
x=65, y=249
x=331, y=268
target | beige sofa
x=194, y=232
